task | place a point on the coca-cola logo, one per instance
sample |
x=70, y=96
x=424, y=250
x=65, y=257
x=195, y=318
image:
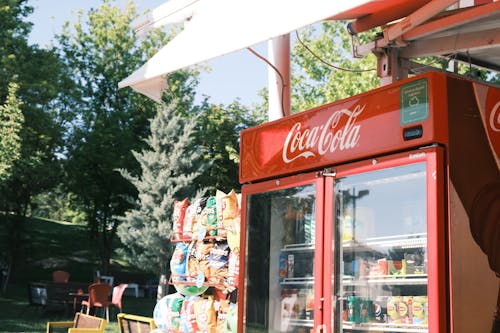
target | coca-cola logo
x=321, y=139
x=495, y=118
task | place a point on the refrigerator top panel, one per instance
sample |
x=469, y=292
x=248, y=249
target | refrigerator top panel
x=407, y=114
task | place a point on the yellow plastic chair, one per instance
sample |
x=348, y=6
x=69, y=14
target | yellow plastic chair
x=129, y=323
x=81, y=324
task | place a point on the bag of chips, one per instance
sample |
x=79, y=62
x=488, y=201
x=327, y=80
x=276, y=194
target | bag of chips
x=206, y=318
x=178, y=218
x=233, y=271
x=218, y=262
x=221, y=232
x=200, y=231
x=187, y=226
x=230, y=206
x=211, y=214
x=167, y=311
x=198, y=226
x=232, y=227
x=222, y=311
x=178, y=262
x=231, y=322
x=188, y=317
x=192, y=262
x=203, y=256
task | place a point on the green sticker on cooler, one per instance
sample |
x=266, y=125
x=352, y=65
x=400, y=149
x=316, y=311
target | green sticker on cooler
x=414, y=102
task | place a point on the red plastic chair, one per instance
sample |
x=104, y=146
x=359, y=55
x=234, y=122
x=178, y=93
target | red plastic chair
x=98, y=298
x=60, y=276
x=116, y=299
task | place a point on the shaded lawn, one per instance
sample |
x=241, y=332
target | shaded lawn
x=16, y=315
x=46, y=246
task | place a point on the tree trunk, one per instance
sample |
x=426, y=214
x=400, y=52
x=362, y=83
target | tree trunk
x=162, y=287
x=5, y=273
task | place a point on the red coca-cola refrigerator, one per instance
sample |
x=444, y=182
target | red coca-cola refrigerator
x=357, y=215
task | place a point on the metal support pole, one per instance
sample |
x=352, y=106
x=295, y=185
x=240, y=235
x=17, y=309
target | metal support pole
x=279, y=83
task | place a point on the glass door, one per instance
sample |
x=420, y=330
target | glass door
x=281, y=256
x=359, y=248
x=385, y=227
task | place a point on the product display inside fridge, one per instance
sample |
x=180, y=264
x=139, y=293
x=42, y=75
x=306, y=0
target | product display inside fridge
x=280, y=270
x=381, y=283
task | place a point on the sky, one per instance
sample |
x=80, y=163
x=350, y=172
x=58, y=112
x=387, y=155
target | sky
x=237, y=75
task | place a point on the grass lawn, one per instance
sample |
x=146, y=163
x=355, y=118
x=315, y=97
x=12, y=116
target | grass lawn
x=46, y=246
x=16, y=315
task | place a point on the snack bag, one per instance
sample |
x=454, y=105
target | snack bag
x=178, y=263
x=167, y=311
x=192, y=262
x=203, y=257
x=178, y=218
x=232, y=227
x=188, y=317
x=206, y=319
x=233, y=270
x=222, y=314
x=221, y=232
x=199, y=226
x=231, y=323
x=200, y=230
x=230, y=206
x=218, y=262
x=187, y=226
x=211, y=213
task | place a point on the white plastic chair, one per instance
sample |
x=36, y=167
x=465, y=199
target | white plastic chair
x=107, y=279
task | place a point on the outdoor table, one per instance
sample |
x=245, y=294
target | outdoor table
x=76, y=298
x=52, y=295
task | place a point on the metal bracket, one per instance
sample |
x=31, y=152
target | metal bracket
x=329, y=172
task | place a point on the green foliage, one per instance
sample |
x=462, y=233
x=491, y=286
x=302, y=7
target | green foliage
x=49, y=245
x=108, y=122
x=58, y=205
x=314, y=82
x=169, y=167
x=11, y=120
x=217, y=135
x=40, y=78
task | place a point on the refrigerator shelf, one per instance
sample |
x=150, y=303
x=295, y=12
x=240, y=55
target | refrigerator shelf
x=298, y=247
x=379, y=327
x=409, y=279
x=398, y=241
x=298, y=280
x=302, y=322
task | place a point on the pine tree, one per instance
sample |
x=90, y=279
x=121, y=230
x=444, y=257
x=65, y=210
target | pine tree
x=169, y=168
x=11, y=122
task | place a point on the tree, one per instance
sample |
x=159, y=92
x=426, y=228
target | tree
x=323, y=68
x=169, y=168
x=11, y=120
x=40, y=78
x=109, y=122
x=217, y=134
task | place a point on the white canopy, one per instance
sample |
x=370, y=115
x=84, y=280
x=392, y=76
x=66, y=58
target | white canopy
x=218, y=27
